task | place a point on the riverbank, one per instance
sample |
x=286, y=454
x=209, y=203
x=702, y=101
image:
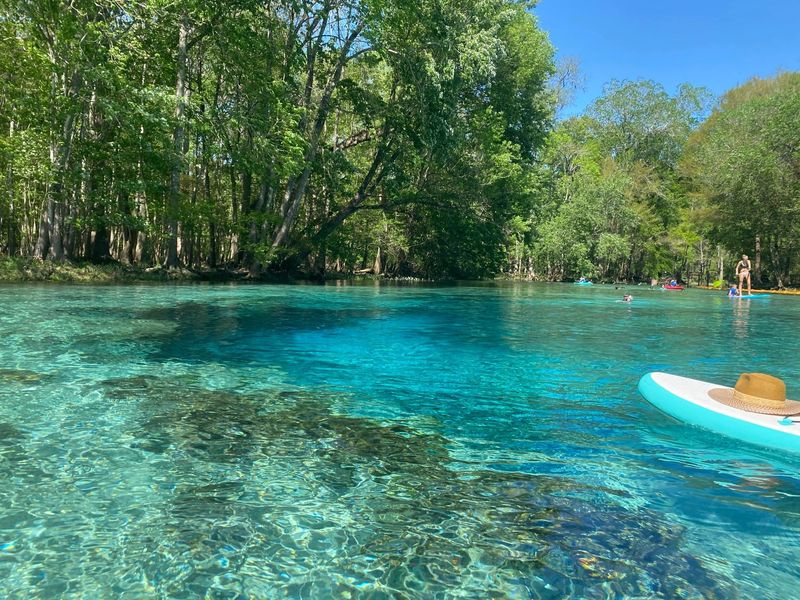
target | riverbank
x=20, y=270
x=23, y=270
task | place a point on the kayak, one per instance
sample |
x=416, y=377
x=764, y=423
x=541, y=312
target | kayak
x=583, y=283
x=672, y=287
x=687, y=400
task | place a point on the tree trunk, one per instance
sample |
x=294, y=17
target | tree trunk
x=757, y=278
x=296, y=190
x=11, y=248
x=49, y=243
x=178, y=135
x=101, y=246
x=377, y=266
x=139, y=253
x=702, y=263
x=212, y=220
x=233, y=251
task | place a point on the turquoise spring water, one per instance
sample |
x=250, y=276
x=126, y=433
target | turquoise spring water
x=377, y=441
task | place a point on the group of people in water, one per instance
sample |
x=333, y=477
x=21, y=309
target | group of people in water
x=743, y=268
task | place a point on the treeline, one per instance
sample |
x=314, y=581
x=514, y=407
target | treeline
x=290, y=134
x=649, y=184
x=383, y=136
x=743, y=165
x=617, y=206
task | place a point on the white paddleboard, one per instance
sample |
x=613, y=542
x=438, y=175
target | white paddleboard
x=687, y=400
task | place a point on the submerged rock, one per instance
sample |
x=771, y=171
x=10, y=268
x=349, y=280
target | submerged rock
x=8, y=433
x=19, y=376
x=304, y=498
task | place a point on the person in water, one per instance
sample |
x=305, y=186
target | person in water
x=627, y=298
x=734, y=291
x=743, y=272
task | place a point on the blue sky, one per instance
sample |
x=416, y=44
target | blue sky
x=714, y=43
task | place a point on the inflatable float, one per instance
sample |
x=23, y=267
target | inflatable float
x=583, y=283
x=671, y=287
x=688, y=400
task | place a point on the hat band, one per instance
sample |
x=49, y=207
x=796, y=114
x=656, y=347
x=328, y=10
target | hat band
x=758, y=400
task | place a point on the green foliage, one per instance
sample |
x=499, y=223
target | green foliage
x=744, y=164
x=410, y=138
x=292, y=134
x=640, y=121
x=616, y=207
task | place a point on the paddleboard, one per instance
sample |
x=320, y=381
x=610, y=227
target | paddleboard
x=750, y=296
x=687, y=400
x=583, y=283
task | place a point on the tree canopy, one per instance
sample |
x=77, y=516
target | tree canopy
x=383, y=136
x=288, y=135
x=614, y=197
x=745, y=163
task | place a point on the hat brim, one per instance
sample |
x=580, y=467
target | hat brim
x=725, y=396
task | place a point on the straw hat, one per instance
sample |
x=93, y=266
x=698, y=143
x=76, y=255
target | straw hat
x=759, y=393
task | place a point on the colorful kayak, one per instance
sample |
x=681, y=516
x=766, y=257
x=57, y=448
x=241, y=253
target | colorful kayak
x=672, y=287
x=687, y=400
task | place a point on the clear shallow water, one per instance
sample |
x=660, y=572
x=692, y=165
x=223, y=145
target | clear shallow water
x=481, y=441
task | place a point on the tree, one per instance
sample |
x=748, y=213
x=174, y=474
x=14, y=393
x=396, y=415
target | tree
x=745, y=162
x=275, y=136
x=615, y=198
x=640, y=121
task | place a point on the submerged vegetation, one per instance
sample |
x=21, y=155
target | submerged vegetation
x=390, y=137
x=258, y=492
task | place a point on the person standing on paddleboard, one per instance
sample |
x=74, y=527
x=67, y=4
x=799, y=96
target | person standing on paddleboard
x=742, y=271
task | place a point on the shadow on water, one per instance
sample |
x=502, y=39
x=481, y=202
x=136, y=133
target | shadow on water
x=198, y=331
x=269, y=492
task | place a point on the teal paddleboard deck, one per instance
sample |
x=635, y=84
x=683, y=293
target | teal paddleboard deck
x=687, y=400
x=583, y=283
x=750, y=296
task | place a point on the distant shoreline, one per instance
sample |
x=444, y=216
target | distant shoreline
x=25, y=270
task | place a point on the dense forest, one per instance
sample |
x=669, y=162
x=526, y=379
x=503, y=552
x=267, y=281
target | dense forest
x=384, y=136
